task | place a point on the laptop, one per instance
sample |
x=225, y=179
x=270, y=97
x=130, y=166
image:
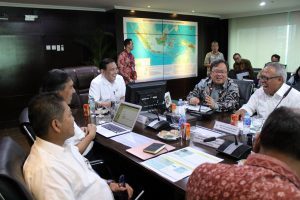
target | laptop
x=123, y=121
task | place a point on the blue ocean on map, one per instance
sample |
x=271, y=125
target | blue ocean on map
x=162, y=43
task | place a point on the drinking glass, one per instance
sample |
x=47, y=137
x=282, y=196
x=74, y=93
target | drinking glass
x=257, y=123
x=175, y=119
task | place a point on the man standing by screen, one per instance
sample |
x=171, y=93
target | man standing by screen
x=212, y=56
x=126, y=63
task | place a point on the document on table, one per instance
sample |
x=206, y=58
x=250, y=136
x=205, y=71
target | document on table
x=132, y=139
x=241, y=76
x=179, y=164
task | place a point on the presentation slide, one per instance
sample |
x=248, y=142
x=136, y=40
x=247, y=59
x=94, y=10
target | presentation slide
x=163, y=49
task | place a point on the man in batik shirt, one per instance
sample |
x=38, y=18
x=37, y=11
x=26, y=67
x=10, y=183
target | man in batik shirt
x=126, y=63
x=218, y=91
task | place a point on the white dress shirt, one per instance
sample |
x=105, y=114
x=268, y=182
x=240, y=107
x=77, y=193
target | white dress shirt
x=264, y=104
x=55, y=172
x=78, y=136
x=103, y=90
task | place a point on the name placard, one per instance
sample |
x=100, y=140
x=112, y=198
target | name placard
x=226, y=128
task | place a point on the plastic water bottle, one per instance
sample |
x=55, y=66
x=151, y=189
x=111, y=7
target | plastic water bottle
x=92, y=105
x=246, y=124
x=180, y=107
x=181, y=113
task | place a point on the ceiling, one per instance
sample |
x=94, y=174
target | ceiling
x=214, y=8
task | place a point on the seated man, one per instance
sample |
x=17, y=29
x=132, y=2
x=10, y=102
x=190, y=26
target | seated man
x=59, y=82
x=53, y=170
x=264, y=100
x=242, y=65
x=273, y=173
x=219, y=92
x=108, y=87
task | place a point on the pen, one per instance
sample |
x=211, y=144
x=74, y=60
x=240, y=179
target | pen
x=141, y=193
x=122, y=181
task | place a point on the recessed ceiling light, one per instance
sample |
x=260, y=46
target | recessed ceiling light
x=132, y=11
x=262, y=3
x=148, y=6
x=193, y=11
x=31, y=17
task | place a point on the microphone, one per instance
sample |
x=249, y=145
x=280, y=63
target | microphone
x=210, y=139
x=234, y=149
x=284, y=95
x=155, y=106
x=157, y=115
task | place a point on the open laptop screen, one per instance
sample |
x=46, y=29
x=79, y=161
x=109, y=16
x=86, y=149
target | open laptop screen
x=127, y=114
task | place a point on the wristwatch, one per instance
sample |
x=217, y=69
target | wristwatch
x=113, y=103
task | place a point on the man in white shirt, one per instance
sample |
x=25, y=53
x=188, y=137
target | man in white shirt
x=273, y=92
x=59, y=82
x=108, y=87
x=54, y=170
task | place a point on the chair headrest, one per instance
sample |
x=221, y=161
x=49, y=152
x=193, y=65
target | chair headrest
x=11, y=173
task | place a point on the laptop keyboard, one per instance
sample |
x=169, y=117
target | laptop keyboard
x=113, y=128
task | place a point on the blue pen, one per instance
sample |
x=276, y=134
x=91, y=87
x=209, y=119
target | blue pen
x=122, y=180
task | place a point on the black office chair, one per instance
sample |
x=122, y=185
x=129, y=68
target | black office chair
x=26, y=127
x=12, y=183
x=97, y=164
x=232, y=74
x=245, y=90
x=295, y=84
x=256, y=80
x=288, y=76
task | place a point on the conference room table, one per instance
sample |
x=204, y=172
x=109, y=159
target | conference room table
x=117, y=157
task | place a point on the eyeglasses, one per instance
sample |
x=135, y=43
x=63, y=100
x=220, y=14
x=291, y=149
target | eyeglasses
x=219, y=72
x=264, y=78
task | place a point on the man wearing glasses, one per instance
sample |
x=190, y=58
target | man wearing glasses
x=274, y=92
x=218, y=91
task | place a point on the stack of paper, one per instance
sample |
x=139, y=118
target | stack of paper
x=179, y=164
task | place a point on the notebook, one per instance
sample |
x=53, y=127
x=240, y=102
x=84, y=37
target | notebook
x=123, y=121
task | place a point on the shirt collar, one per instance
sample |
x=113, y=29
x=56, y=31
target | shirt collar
x=51, y=148
x=275, y=165
x=105, y=81
x=280, y=92
x=215, y=53
x=210, y=83
x=125, y=50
